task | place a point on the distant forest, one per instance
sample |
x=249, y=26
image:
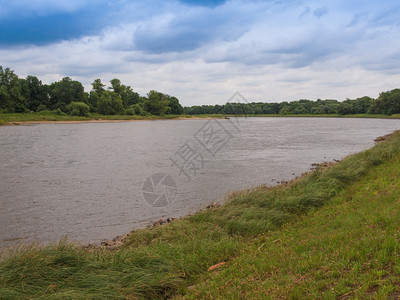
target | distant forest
x=67, y=96
x=387, y=103
x=21, y=95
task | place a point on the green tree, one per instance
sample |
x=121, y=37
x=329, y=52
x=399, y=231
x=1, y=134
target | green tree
x=300, y=110
x=128, y=96
x=34, y=92
x=110, y=103
x=176, y=107
x=95, y=94
x=94, y=98
x=157, y=103
x=116, y=86
x=344, y=108
x=11, y=99
x=98, y=86
x=387, y=103
x=284, y=110
x=64, y=92
x=362, y=105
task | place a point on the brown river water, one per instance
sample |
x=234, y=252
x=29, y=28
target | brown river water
x=95, y=181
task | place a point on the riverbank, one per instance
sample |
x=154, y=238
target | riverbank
x=332, y=233
x=49, y=117
x=103, y=121
x=366, y=116
x=52, y=118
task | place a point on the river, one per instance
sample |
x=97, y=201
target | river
x=94, y=181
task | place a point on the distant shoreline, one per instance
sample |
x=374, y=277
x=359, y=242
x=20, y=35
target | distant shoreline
x=27, y=119
x=15, y=123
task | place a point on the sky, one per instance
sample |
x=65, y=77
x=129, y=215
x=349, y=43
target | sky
x=202, y=52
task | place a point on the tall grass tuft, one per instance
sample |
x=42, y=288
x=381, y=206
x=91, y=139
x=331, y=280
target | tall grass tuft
x=65, y=271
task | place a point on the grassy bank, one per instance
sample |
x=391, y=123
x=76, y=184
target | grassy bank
x=10, y=118
x=51, y=116
x=333, y=233
x=350, y=248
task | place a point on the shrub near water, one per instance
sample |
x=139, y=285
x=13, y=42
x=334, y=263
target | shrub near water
x=160, y=262
x=78, y=109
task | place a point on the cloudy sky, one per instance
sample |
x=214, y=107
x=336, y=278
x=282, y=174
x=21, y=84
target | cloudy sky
x=204, y=51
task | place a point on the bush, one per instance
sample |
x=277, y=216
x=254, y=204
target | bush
x=136, y=109
x=45, y=112
x=78, y=109
x=41, y=107
x=130, y=111
x=59, y=112
x=20, y=108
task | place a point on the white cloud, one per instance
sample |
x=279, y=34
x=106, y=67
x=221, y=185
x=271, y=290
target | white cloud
x=267, y=51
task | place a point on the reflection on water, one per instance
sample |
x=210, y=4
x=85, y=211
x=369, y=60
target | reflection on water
x=86, y=180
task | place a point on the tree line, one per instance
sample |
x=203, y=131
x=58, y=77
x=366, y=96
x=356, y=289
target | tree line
x=68, y=96
x=29, y=94
x=387, y=103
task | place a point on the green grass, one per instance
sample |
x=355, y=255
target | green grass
x=348, y=248
x=330, y=233
x=52, y=116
